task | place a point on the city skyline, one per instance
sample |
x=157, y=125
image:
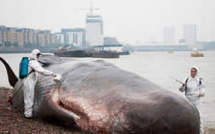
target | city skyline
x=129, y=21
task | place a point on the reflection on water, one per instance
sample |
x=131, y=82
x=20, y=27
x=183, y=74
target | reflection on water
x=157, y=67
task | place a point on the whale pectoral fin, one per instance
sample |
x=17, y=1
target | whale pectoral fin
x=11, y=75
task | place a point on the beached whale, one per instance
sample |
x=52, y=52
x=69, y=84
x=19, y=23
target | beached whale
x=99, y=97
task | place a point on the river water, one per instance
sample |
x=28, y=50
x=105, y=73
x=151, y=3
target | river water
x=157, y=67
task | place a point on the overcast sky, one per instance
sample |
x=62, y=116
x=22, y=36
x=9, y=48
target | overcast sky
x=129, y=20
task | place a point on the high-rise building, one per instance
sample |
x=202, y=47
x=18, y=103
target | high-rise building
x=169, y=35
x=189, y=33
x=94, y=30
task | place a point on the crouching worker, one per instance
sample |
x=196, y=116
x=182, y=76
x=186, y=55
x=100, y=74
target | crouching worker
x=194, y=91
x=30, y=80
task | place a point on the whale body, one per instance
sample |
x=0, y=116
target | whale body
x=99, y=97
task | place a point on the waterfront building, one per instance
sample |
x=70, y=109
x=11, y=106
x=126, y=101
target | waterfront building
x=60, y=38
x=53, y=39
x=65, y=32
x=20, y=38
x=94, y=30
x=29, y=36
x=75, y=37
x=44, y=37
x=25, y=36
x=1, y=38
x=11, y=35
x=41, y=39
x=2, y=34
x=69, y=38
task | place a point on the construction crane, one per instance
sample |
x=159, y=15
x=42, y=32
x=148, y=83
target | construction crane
x=91, y=9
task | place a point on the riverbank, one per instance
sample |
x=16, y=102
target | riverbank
x=12, y=121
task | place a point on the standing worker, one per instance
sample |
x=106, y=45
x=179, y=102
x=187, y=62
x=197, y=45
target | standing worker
x=194, y=91
x=29, y=82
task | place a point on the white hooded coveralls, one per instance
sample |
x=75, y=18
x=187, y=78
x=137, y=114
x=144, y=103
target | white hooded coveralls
x=192, y=92
x=30, y=81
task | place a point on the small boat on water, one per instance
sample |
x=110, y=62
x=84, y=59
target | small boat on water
x=170, y=51
x=196, y=53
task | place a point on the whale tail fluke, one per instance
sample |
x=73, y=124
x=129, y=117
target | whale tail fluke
x=13, y=79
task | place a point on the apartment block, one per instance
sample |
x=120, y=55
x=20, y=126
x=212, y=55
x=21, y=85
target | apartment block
x=60, y=38
x=41, y=39
x=53, y=39
x=2, y=34
x=20, y=38
x=76, y=36
x=11, y=35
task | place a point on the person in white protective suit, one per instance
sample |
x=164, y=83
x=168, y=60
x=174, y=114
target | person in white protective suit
x=194, y=91
x=30, y=81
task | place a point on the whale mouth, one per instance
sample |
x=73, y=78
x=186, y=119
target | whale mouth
x=68, y=108
x=89, y=119
x=63, y=107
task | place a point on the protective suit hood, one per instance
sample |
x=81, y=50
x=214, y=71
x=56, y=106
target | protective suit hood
x=34, y=53
x=195, y=68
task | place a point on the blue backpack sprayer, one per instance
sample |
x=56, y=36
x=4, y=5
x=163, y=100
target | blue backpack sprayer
x=23, y=68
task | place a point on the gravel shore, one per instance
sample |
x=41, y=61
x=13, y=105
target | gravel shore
x=13, y=122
